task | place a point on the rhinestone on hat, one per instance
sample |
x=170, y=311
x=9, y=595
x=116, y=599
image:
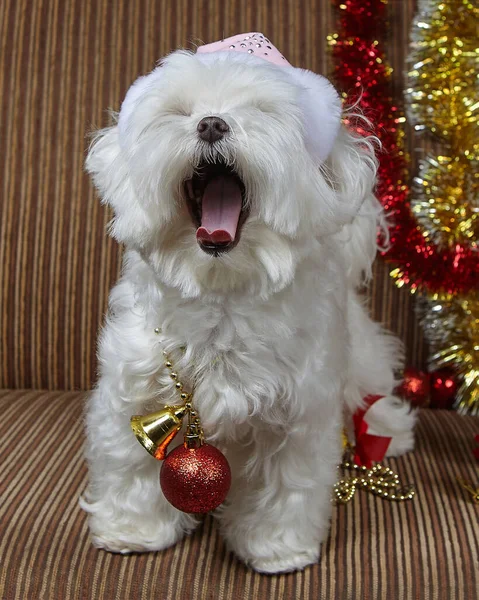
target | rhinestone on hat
x=249, y=44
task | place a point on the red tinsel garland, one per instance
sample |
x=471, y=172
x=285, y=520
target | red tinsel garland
x=363, y=73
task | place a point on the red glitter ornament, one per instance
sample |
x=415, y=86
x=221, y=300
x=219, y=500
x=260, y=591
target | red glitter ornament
x=195, y=480
x=415, y=387
x=443, y=389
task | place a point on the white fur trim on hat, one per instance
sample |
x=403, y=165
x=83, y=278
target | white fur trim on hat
x=322, y=111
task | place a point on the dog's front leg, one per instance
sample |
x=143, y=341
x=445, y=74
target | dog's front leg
x=127, y=510
x=280, y=505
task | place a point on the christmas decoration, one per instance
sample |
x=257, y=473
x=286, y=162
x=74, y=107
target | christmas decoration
x=156, y=430
x=358, y=462
x=469, y=488
x=369, y=447
x=437, y=389
x=414, y=387
x=443, y=87
x=451, y=325
x=196, y=476
x=195, y=480
x=362, y=71
x=473, y=491
x=442, y=204
x=433, y=236
x=443, y=388
x=379, y=480
x=443, y=99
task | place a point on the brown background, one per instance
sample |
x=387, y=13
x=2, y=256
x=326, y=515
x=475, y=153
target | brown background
x=62, y=63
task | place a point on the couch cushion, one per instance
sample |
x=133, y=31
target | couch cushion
x=64, y=64
x=427, y=548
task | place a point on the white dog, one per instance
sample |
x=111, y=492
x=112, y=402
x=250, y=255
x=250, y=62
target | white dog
x=249, y=221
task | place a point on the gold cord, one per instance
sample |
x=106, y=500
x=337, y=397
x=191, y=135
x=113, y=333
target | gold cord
x=194, y=430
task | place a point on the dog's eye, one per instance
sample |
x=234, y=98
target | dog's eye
x=177, y=110
x=266, y=107
x=183, y=112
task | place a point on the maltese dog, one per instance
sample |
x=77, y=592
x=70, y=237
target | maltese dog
x=249, y=223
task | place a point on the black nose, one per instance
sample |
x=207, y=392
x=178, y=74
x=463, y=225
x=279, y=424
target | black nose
x=212, y=129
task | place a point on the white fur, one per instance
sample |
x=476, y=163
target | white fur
x=277, y=339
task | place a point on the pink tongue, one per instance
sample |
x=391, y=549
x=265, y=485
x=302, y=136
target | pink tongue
x=221, y=208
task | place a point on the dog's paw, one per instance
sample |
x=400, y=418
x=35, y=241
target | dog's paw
x=124, y=540
x=284, y=564
x=269, y=551
x=122, y=532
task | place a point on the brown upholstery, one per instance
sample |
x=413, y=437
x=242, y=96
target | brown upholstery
x=425, y=549
x=64, y=63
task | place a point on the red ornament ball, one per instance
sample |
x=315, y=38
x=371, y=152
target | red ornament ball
x=195, y=480
x=443, y=388
x=414, y=387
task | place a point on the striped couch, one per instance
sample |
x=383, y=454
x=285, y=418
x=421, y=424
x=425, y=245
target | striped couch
x=63, y=62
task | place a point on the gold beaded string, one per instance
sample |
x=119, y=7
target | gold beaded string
x=379, y=480
x=194, y=431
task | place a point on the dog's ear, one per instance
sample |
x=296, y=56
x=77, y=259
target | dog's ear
x=108, y=168
x=137, y=90
x=351, y=168
x=350, y=171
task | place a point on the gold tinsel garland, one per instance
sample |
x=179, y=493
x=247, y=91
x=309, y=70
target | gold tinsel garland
x=443, y=98
x=452, y=326
x=442, y=93
x=444, y=201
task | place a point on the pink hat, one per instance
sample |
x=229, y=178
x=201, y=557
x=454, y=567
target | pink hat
x=248, y=43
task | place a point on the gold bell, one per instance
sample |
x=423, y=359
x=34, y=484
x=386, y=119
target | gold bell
x=156, y=430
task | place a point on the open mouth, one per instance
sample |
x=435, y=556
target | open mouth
x=216, y=201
